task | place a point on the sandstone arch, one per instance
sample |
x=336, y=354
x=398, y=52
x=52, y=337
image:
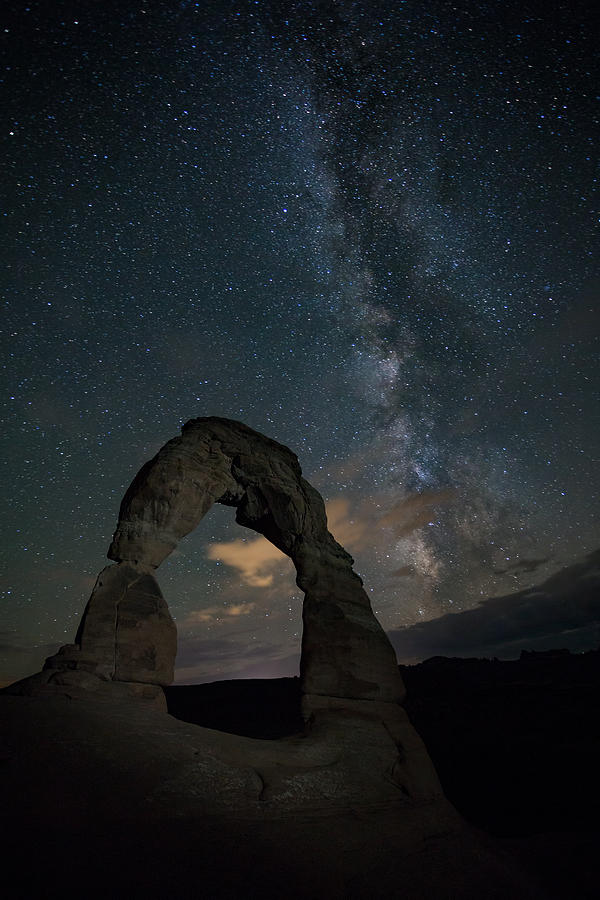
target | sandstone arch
x=358, y=744
x=358, y=759
x=345, y=653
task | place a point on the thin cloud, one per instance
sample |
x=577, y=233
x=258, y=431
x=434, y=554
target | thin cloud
x=523, y=565
x=213, y=614
x=563, y=611
x=255, y=559
x=415, y=511
x=202, y=659
x=350, y=529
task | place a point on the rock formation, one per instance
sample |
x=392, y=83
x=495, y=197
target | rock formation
x=349, y=807
x=345, y=652
x=126, y=640
x=127, y=635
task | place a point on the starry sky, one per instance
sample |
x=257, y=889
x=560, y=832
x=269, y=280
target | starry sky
x=365, y=229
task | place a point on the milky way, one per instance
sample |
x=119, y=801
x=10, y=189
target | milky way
x=368, y=233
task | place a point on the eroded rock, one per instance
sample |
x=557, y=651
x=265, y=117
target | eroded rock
x=128, y=628
x=127, y=634
x=345, y=652
x=95, y=709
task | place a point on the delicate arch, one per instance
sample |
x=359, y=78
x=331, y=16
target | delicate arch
x=358, y=745
x=345, y=652
x=127, y=636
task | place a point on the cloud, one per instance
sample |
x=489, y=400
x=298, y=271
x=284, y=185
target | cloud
x=351, y=530
x=362, y=524
x=254, y=559
x=377, y=530
x=414, y=511
x=563, y=611
x=201, y=659
x=212, y=614
x=523, y=565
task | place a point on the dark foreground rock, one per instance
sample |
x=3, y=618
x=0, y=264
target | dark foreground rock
x=516, y=743
x=121, y=800
x=116, y=799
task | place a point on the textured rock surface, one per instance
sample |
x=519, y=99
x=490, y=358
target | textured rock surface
x=127, y=634
x=128, y=628
x=345, y=652
x=118, y=800
x=358, y=745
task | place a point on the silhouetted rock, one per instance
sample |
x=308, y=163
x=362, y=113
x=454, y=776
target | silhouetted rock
x=515, y=742
x=346, y=806
x=345, y=652
x=356, y=743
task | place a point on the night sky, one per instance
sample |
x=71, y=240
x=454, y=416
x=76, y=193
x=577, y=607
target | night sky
x=365, y=229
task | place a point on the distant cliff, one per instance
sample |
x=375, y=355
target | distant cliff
x=516, y=743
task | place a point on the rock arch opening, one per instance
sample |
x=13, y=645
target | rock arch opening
x=127, y=634
x=355, y=744
x=235, y=601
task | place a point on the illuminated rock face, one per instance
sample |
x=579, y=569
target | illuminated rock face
x=345, y=652
x=127, y=628
x=127, y=635
x=358, y=745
